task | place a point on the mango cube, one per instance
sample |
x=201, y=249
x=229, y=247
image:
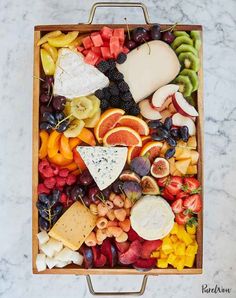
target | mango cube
x=180, y=249
x=171, y=259
x=173, y=238
x=180, y=232
x=162, y=263
x=189, y=260
x=186, y=238
x=191, y=250
x=166, y=244
x=155, y=254
x=191, y=229
x=163, y=255
x=180, y=263
x=174, y=229
x=193, y=237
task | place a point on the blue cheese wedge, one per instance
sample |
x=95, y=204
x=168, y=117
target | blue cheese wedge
x=74, y=78
x=104, y=163
x=152, y=217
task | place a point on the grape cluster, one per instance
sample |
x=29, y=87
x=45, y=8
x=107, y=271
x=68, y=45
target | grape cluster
x=51, y=108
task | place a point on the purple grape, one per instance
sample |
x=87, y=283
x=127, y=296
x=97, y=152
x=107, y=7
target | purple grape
x=44, y=109
x=168, y=37
x=46, y=126
x=48, y=117
x=85, y=178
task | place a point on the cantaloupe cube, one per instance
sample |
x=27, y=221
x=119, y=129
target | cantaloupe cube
x=180, y=263
x=189, y=260
x=180, y=249
x=163, y=255
x=192, y=170
x=171, y=259
x=192, y=142
x=155, y=254
x=191, y=250
x=182, y=165
x=194, y=155
x=162, y=263
x=173, y=238
x=191, y=229
x=174, y=229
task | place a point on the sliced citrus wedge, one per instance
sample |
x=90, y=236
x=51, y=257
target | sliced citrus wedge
x=136, y=123
x=151, y=150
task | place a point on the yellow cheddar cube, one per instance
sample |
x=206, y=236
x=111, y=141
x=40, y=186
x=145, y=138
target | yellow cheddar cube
x=163, y=255
x=166, y=244
x=189, y=261
x=171, y=259
x=180, y=263
x=155, y=254
x=186, y=238
x=174, y=229
x=173, y=238
x=191, y=229
x=191, y=250
x=162, y=263
x=180, y=249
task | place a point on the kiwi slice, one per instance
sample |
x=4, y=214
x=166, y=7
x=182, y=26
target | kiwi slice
x=186, y=48
x=185, y=85
x=179, y=40
x=196, y=37
x=189, y=60
x=192, y=76
x=180, y=33
x=191, y=100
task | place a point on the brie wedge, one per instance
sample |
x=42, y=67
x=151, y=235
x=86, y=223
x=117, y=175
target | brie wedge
x=74, y=78
x=152, y=217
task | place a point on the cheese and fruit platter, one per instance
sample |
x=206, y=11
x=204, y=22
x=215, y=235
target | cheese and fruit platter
x=117, y=149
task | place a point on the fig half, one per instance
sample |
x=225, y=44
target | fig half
x=149, y=186
x=160, y=168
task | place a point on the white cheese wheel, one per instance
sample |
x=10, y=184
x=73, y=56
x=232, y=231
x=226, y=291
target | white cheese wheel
x=152, y=217
x=149, y=67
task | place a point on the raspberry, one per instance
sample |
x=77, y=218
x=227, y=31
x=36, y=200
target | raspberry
x=63, y=199
x=71, y=179
x=50, y=182
x=64, y=172
x=55, y=169
x=45, y=169
x=43, y=189
x=60, y=181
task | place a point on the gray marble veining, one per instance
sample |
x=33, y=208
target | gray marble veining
x=17, y=18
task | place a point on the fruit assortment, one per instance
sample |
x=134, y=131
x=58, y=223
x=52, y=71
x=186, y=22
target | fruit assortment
x=118, y=150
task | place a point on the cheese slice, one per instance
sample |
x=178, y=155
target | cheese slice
x=74, y=78
x=104, y=163
x=152, y=217
x=149, y=67
x=74, y=226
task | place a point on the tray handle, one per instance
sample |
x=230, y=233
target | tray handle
x=118, y=4
x=135, y=293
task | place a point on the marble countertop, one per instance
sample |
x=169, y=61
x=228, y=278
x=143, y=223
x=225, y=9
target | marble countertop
x=17, y=18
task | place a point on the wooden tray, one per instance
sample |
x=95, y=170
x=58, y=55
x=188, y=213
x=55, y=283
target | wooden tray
x=39, y=31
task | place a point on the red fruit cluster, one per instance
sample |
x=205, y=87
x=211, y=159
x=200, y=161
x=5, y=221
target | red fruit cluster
x=184, y=192
x=53, y=177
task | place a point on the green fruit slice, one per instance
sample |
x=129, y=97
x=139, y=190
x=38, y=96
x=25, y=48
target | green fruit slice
x=196, y=36
x=81, y=107
x=180, y=33
x=96, y=105
x=180, y=40
x=192, y=76
x=190, y=99
x=189, y=60
x=186, y=48
x=91, y=122
x=74, y=128
x=185, y=85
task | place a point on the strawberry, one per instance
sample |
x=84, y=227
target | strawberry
x=191, y=185
x=193, y=203
x=182, y=195
x=177, y=206
x=167, y=195
x=182, y=218
x=162, y=182
x=175, y=185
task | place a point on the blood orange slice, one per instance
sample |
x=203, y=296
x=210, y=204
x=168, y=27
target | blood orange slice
x=152, y=150
x=122, y=136
x=106, y=122
x=134, y=151
x=136, y=123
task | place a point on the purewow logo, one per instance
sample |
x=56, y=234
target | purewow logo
x=206, y=289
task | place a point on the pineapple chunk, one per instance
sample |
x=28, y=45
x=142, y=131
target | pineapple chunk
x=192, y=236
x=163, y=255
x=162, y=263
x=182, y=165
x=191, y=250
x=191, y=229
x=175, y=228
x=187, y=239
x=166, y=244
x=180, y=249
x=189, y=260
x=192, y=170
x=155, y=254
x=180, y=232
x=173, y=238
x=171, y=259
x=192, y=142
x=180, y=263
x=194, y=155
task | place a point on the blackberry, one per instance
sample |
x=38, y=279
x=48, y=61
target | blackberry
x=99, y=93
x=127, y=96
x=103, y=66
x=115, y=102
x=104, y=104
x=114, y=90
x=123, y=86
x=126, y=105
x=135, y=110
x=121, y=58
x=117, y=76
x=106, y=92
x=112, y=63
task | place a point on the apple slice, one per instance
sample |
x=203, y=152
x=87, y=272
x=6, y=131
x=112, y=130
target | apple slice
x=180, y=120
x=182, y=106
x=148, y=111
x=160, y=96
x=165, y=105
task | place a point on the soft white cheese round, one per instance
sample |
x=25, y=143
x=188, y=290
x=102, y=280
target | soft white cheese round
x=152, y=217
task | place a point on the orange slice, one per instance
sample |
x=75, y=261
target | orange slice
x=134, y=151
x=106, y=122
x=122, y=136
x=136, y=123
x=151, y=149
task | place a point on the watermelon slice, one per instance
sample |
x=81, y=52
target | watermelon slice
x=114, y=45
x=91, y=58
x=87, y=42
x=106, y=54
x=120, y=33
x=97, y=39
x=97, y=50
x=106, y=32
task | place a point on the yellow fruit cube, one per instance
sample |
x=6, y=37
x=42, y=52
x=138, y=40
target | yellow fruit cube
x=155, y=254
x=180, y=232
x=180, y=263
x=173, y=238
x=168, y=251
x=182, y=165
x=180, y=249
x=186, y=238
x=192, y=170
x=191, y=250
x=192, y=236
x=171, y=259
x=191, y=229
x=175, y=228
x=163, y=255
x=166, y=244
x=189, y=261
x=162, y=263
x=192, y=142
x=194, y=155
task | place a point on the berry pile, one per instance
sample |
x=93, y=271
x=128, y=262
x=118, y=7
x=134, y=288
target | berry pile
x=117, y=94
